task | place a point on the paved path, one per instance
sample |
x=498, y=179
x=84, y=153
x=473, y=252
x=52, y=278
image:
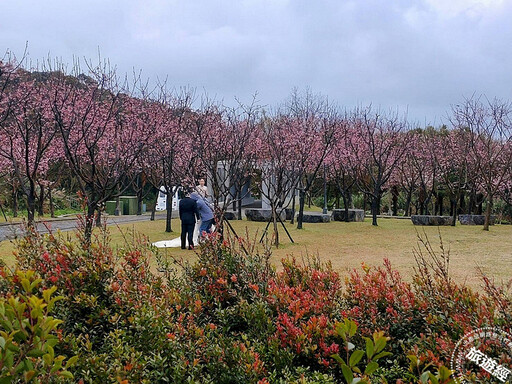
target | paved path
x=10, y=231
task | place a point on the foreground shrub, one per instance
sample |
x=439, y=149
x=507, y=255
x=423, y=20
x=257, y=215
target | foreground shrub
x=229, y=317
x=28, y=334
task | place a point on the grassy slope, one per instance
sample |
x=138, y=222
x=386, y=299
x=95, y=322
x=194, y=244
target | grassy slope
x=347, y=245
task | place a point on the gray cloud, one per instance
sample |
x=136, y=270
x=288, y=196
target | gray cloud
x=417, y=55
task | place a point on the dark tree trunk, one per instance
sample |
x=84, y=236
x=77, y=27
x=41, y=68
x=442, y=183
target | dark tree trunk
x=345, y=206
x=89, y=223
x=292, y=221
x=440, y=199
x=140, y=193
x=488, y=211
x=117, y=210
x=276, y=229
x=375, y=209
x=471, y=204
x=239, y=216
x=31, y=205
x=3, y=212
x=462, y=202
x=15, y=204
x=50, y=198
x=408, y=203
x=301, y=208
x=395, y=200
x=454, y=211
x=480, y=202
x=153, y=211
x=168, y=206
x=98, y=217
x=40, y=205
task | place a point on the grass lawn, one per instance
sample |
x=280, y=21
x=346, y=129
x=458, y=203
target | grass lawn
x=347, y=245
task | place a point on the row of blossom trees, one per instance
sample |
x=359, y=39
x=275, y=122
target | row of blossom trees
x=109, y=136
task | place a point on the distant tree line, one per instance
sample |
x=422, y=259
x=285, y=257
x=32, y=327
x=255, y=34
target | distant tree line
x=99, y=135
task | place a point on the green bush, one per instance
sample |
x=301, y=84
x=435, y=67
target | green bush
x=228, y=317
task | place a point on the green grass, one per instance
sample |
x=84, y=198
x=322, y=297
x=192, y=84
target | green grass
x=347, y=245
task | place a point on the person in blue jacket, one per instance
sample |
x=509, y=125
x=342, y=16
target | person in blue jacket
x=205, y=211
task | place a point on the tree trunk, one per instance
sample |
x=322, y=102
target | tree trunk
x=31, y=206
x=292, y=221
x=239, y=216
x=375, y=209
x=301, y=208
x=14, y=202
x=98, y=217
x=462, y=202
x=479, y=202
x=440, y=198
x=40, y=205
x=395, y=200
x=139, y=201
x=471, y=203
x=89, y=222
x=50, y=198
x=117, y=210
x=168, y=207
x=488, y=211
x=3, y=212
x=345, y=206
x=408, y=203
x=454, y=214
x=276, y=229
x=153, y=211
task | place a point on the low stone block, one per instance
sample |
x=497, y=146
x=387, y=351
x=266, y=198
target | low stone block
x=353, y=215
x=230, y=215
x=316, y=217
x=257, y=214
x=475, y=219
x=288, y=212
x=431, y=220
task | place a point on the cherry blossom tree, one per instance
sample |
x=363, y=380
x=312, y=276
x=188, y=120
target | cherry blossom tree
x=380, y=146
x=490, y=133
x=27, y=135
x=226, y=142
x=311, y=122
x=341, y=163
x=170, y=159
x=451, y=151
x=279, y=166
x=100, y=137
x=407, y=173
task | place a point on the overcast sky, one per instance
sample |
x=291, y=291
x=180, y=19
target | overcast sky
x=419, y=56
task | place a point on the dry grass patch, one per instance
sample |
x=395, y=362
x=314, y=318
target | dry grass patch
x=347, y=245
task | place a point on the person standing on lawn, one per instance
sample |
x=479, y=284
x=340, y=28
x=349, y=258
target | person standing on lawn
x=205, y=211
x=188, y=215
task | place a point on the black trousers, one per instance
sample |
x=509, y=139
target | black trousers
x=187, y=230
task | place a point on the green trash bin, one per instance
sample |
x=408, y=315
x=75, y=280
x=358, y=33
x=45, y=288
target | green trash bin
x=129, y=205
